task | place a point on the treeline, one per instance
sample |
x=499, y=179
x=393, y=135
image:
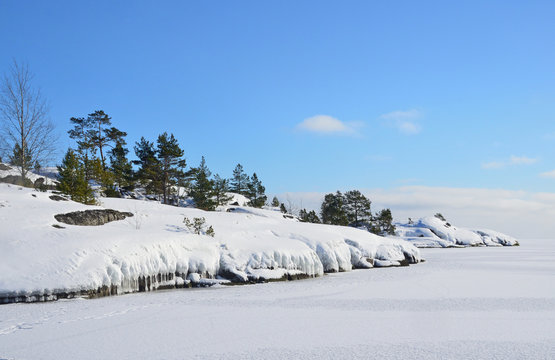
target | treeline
x=101, y=157
x=349, y=209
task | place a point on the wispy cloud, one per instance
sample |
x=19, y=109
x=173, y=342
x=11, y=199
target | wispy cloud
x=404, y=120
x=325, y=124
x=548, y=174
x=513, y=160
x=522, y=160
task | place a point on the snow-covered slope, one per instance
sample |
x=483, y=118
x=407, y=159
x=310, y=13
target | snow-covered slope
x=434, y=232
x=155, y=249
x=13, y=171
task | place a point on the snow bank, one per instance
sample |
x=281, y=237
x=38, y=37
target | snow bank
x=434, y=232
x=154, y=249
x=14, y=171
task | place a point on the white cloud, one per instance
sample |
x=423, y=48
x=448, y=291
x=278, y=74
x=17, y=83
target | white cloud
x=403, y=120
x=548, y=174
x=522, y=160
x=522, y=214
x=513, y=160
x=325, y=124
x=402, y=114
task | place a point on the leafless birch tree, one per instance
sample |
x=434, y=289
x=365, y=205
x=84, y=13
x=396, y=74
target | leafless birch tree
x=26, y=133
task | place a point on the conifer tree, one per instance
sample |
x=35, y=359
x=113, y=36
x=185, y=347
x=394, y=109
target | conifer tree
x=383, y=223
x=282, y=208
x=333, y=209
x=309, y=216
x=98, y=123
x=148, y=173
x=171, y=163
x=21, y=158
x=85, y=147
x=357, y=207
x=120, y=167
x=275, y=202
x=221, y=188
x=202, y=188
x=239, y=181
x=71, y=180
x=255, y=191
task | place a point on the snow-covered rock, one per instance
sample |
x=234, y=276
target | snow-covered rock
x=14, y=172
x=435, y=232
x=154, y=249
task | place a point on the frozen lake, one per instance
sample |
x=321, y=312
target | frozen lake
x=494, y=303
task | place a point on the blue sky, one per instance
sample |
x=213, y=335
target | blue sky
x=312, y=95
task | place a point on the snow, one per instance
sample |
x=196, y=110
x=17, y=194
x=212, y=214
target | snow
x=468, y=303
x=15, y=171
x=154, y=247
x=434, y=232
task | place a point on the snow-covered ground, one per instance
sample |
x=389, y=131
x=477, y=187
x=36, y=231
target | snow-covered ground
x=48, y=174
x=38, y=260
x=469, y=303
x=435, y=232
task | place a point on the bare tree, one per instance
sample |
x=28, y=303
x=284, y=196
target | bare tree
x=25, y=128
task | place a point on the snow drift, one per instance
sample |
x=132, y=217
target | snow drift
x=435, y=232
x=42, y=259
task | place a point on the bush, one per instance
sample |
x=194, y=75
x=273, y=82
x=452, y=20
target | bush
x=198, y=226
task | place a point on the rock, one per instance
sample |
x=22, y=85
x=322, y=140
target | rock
x=4, y=167
x=57, y=198
x=16, y=180
x=92, y=217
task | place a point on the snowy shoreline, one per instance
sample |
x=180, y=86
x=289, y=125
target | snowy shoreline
x=42, y=259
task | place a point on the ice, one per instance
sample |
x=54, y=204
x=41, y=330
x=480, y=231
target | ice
x=472, y=303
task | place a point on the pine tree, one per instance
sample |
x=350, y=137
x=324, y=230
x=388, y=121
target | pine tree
x=275, y=202
x=85, y=147
x=24, y=161
x=71, y=180
x=357, y=207
x=220, y=190
x=148, y=174
x=239, y=181
x=255, y=191
x=333, y=209
x=171, y=164
x=120, y=167
x=282, y=208
x=383, y=223
x=202, y=188
x=309, y=216
x=98, y=123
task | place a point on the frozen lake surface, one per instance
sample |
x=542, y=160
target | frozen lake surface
x=492, y=303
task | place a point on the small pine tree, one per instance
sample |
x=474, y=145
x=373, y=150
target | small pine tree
x=220, y=190
x=171, y=164
x=282, y=208
x=309, y=216
x=383, y=223
x=202, y=187
x=440, y=217
x=256, y=192
x=71, y=180
x=148, y=174
x=275, y=202
x=24, y=161
x=121, y=167
x=239, y=182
